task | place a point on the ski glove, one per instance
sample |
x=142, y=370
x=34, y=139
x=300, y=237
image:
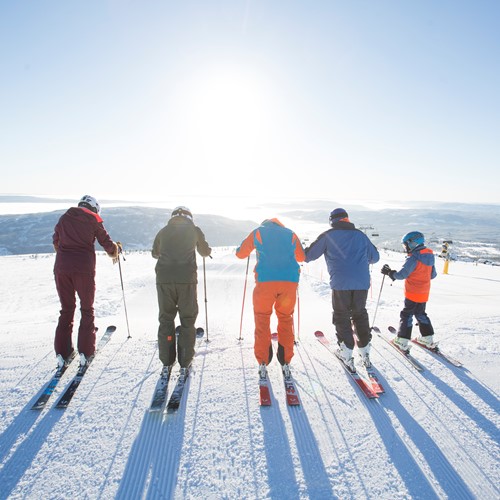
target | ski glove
x=388, y=272
x=115, y=255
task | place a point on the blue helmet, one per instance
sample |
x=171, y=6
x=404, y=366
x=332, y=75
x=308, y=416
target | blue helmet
x=412, y=240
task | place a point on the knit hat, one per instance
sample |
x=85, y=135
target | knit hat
x=337, y=215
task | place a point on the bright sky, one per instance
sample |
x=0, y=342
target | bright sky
x=328, y=99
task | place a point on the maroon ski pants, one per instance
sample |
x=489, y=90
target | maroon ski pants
x=68, y=285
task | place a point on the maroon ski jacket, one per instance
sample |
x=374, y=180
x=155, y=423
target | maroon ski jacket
x=74, y=238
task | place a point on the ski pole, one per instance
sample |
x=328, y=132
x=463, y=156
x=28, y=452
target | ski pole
x=378, y=301
x=298, y=316
x=244, y=293
x=120, y=251
x=206, y=301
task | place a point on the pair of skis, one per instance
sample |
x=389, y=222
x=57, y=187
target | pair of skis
x=68, y=394
x=291, y=393
x=434, y=350
x=160, y=395
x=159, y=400
x=370, y=386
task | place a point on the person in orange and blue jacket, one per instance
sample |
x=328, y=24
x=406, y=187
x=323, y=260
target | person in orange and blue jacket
x=277, y=274
x=417, y=271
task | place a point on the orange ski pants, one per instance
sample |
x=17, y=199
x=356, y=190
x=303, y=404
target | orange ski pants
x=281, y=295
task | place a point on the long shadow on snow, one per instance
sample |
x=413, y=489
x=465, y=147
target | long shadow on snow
x=281, y=470
x=473, y=413
x=20, y=461
x=154, y=458
x=415, y=479
x=315, y=475
x=479, y=389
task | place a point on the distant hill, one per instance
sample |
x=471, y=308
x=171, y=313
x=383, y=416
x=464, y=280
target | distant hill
x=135, y=227
x=473, y=228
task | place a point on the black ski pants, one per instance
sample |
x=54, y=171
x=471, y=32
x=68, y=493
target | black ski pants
x=349, y=310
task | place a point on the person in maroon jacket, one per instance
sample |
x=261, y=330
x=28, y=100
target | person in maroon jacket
x=74, y=273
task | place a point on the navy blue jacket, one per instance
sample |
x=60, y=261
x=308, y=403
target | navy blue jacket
x=348, y=253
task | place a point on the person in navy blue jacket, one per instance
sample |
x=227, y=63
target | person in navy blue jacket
x=348, y=254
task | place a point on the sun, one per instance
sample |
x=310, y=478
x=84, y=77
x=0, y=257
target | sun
x=229, y=112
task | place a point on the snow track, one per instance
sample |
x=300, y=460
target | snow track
x=431, y=435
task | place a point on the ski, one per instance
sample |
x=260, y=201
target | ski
x=366, y=388
x=200, y=332
x=373, y=378
x=405, y=354
x=264, y=392
x=292, y=395
x=41, y=402
x=68, y=394
x=176, y=396
x=160, y=394
x=437, y=351
x=321, y=337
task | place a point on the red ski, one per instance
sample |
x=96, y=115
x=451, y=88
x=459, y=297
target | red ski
x=292, y=397
x=367, y=389
x=264, y=392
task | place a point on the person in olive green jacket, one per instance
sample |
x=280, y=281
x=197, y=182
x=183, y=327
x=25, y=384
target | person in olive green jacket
x=175, y=248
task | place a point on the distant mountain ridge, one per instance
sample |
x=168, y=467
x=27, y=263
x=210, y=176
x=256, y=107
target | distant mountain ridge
x=473, y=228
x=135, y=227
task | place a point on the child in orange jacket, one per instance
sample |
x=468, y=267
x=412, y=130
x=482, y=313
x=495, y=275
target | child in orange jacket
x=417, y=271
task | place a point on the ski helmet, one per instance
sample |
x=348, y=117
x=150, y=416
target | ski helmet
x=412, y=240
x=182, y=211
x=91, y=203
x=337, y=215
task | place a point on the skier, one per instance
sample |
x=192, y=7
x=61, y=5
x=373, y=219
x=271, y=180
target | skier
x=175, y=248
x=277, y=273
x=348, y=253
x=74, y=273
x=417, y=271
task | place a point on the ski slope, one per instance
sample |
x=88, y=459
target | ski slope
x=431, y=435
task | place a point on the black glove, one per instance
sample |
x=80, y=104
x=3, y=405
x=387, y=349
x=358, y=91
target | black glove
x=386, y=269
x=388, y=272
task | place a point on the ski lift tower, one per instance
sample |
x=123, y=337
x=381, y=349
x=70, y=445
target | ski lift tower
x=445, y=253
x=365, y=227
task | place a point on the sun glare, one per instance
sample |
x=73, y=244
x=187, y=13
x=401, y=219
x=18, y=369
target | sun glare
x=230, y=113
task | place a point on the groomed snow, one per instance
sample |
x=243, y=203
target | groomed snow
x=431, y=435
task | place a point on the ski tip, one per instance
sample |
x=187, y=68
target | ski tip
x=319, y=333
x=200, y=332
x=111, y=328
x=392, y=329
x=376, y=329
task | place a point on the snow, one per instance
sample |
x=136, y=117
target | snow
x=431, y=435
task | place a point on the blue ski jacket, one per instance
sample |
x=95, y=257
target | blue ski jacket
x=348, y=254
x=278, y=252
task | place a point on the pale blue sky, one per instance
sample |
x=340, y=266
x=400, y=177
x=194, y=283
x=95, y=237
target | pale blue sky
x=349, y=99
